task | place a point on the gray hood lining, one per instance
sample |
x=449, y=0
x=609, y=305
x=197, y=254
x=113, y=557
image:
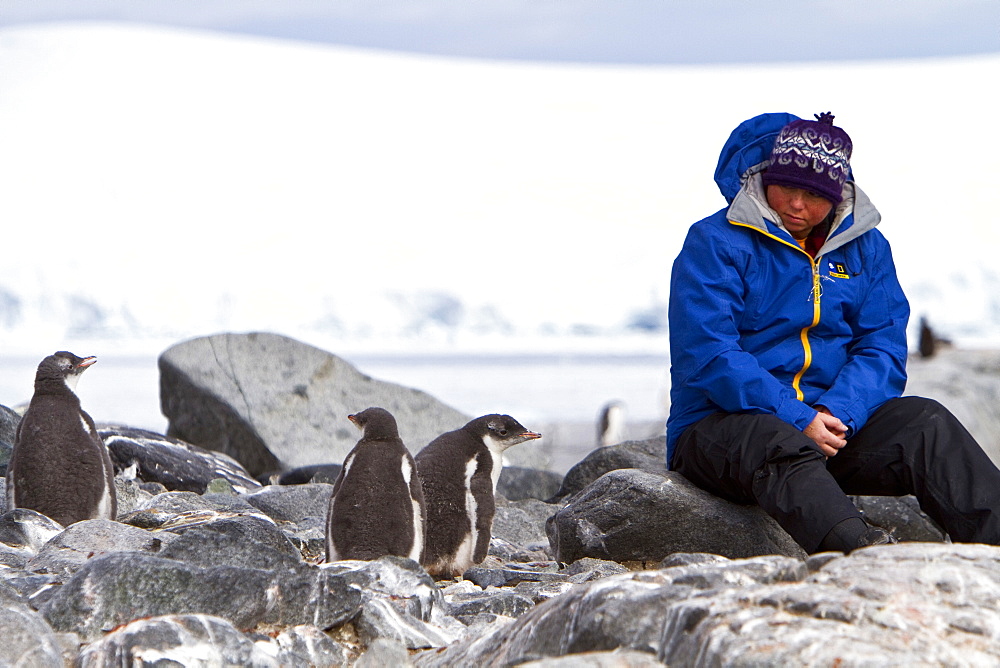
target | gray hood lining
x=750, y=206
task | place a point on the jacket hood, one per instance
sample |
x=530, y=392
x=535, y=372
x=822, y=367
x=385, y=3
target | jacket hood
x=747, y=153
x=748, y=146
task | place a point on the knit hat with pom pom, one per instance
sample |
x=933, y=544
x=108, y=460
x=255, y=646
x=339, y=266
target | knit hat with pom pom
x=812, y=155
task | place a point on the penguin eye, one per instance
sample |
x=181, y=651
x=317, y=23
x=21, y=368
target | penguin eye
x=503, y=432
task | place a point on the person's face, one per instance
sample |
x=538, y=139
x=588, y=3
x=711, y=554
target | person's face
x=800, y=210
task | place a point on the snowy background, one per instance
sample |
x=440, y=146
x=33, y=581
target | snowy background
x=482, y=200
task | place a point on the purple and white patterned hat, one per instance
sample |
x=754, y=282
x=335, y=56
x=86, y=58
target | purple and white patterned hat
x=812, y=155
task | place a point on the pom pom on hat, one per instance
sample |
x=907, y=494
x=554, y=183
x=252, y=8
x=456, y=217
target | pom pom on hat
x=812, y=155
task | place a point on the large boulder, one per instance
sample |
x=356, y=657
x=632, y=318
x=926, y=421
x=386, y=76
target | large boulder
x=8, y=429
x=275, y=403
x=648, y=455
x=635, y=515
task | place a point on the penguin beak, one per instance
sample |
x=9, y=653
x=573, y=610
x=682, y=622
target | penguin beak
x=530, y=435
x=354, y=420
x=87, y=361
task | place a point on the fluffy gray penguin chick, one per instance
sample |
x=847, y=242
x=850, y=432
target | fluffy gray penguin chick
x=59, y=466
x=459, y=471
x=377, y=507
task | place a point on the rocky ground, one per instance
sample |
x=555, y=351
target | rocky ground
x=617, y=563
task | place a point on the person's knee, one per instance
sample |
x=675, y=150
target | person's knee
x=745, y=440
x=919, y=409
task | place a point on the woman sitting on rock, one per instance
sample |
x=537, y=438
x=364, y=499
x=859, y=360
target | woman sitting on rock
x=788, y=350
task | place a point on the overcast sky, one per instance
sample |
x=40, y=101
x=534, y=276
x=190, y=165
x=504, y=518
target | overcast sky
x=610, y=31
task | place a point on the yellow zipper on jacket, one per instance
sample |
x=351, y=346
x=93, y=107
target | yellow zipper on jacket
x=817, y=292
x=804, y=334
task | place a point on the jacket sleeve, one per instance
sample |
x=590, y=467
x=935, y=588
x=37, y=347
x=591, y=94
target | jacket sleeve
x=706, y=304
x=876, y=367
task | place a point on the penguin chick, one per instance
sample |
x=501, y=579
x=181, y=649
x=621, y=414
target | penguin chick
x=611, y=424
x=459, y=471
x=60, y=466
x=377, y=507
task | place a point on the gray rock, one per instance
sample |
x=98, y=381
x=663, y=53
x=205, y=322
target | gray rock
x=384, y=652
x=32, y=588
x=274, y=403
x=183, y=640
x=130, y=495
x=308, y=535
x=496, y=602
x=248, y=542
x=522, y=522
x=176, y=503
x=648, y=455
x=900, y=515
x=27, y=529
x=517, y=483
x=512, y=575
x=380, y=618
x=9, y=594
x=695, y=558
x=905, y=604
x=173, y=463
x=537, y=592
x=14, y=557
x=28, y=640
x=633, y=515
x=588, y=570
x=618, y=658
x=9, y=420
x=292, y=503
x=543, y=591
x=67, y=552
x=507, y=551
x=306, y=645
x=119, y=588
x=70, y=645
x=399, y=579
x=870, y=597
x=627, y=611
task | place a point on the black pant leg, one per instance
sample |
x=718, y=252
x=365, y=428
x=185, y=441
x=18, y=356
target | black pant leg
x=762, y=459
x=914, y=445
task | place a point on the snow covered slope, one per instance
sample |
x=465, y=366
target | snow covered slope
x=162, y=183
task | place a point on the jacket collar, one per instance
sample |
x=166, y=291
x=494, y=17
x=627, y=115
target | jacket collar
x=854, y=216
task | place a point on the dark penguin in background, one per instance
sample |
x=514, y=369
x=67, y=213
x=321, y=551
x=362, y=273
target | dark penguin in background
x=377, y=507
x=459, y=471
x=59, y=466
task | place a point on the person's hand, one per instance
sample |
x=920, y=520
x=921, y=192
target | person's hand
x=827, y=431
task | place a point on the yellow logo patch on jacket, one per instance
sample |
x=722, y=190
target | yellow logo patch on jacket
x=838, y=270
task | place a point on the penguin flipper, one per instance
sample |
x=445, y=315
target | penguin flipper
x=331, y=548
x=482, y=491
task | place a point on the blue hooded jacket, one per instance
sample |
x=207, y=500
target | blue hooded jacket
x=758, y=326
